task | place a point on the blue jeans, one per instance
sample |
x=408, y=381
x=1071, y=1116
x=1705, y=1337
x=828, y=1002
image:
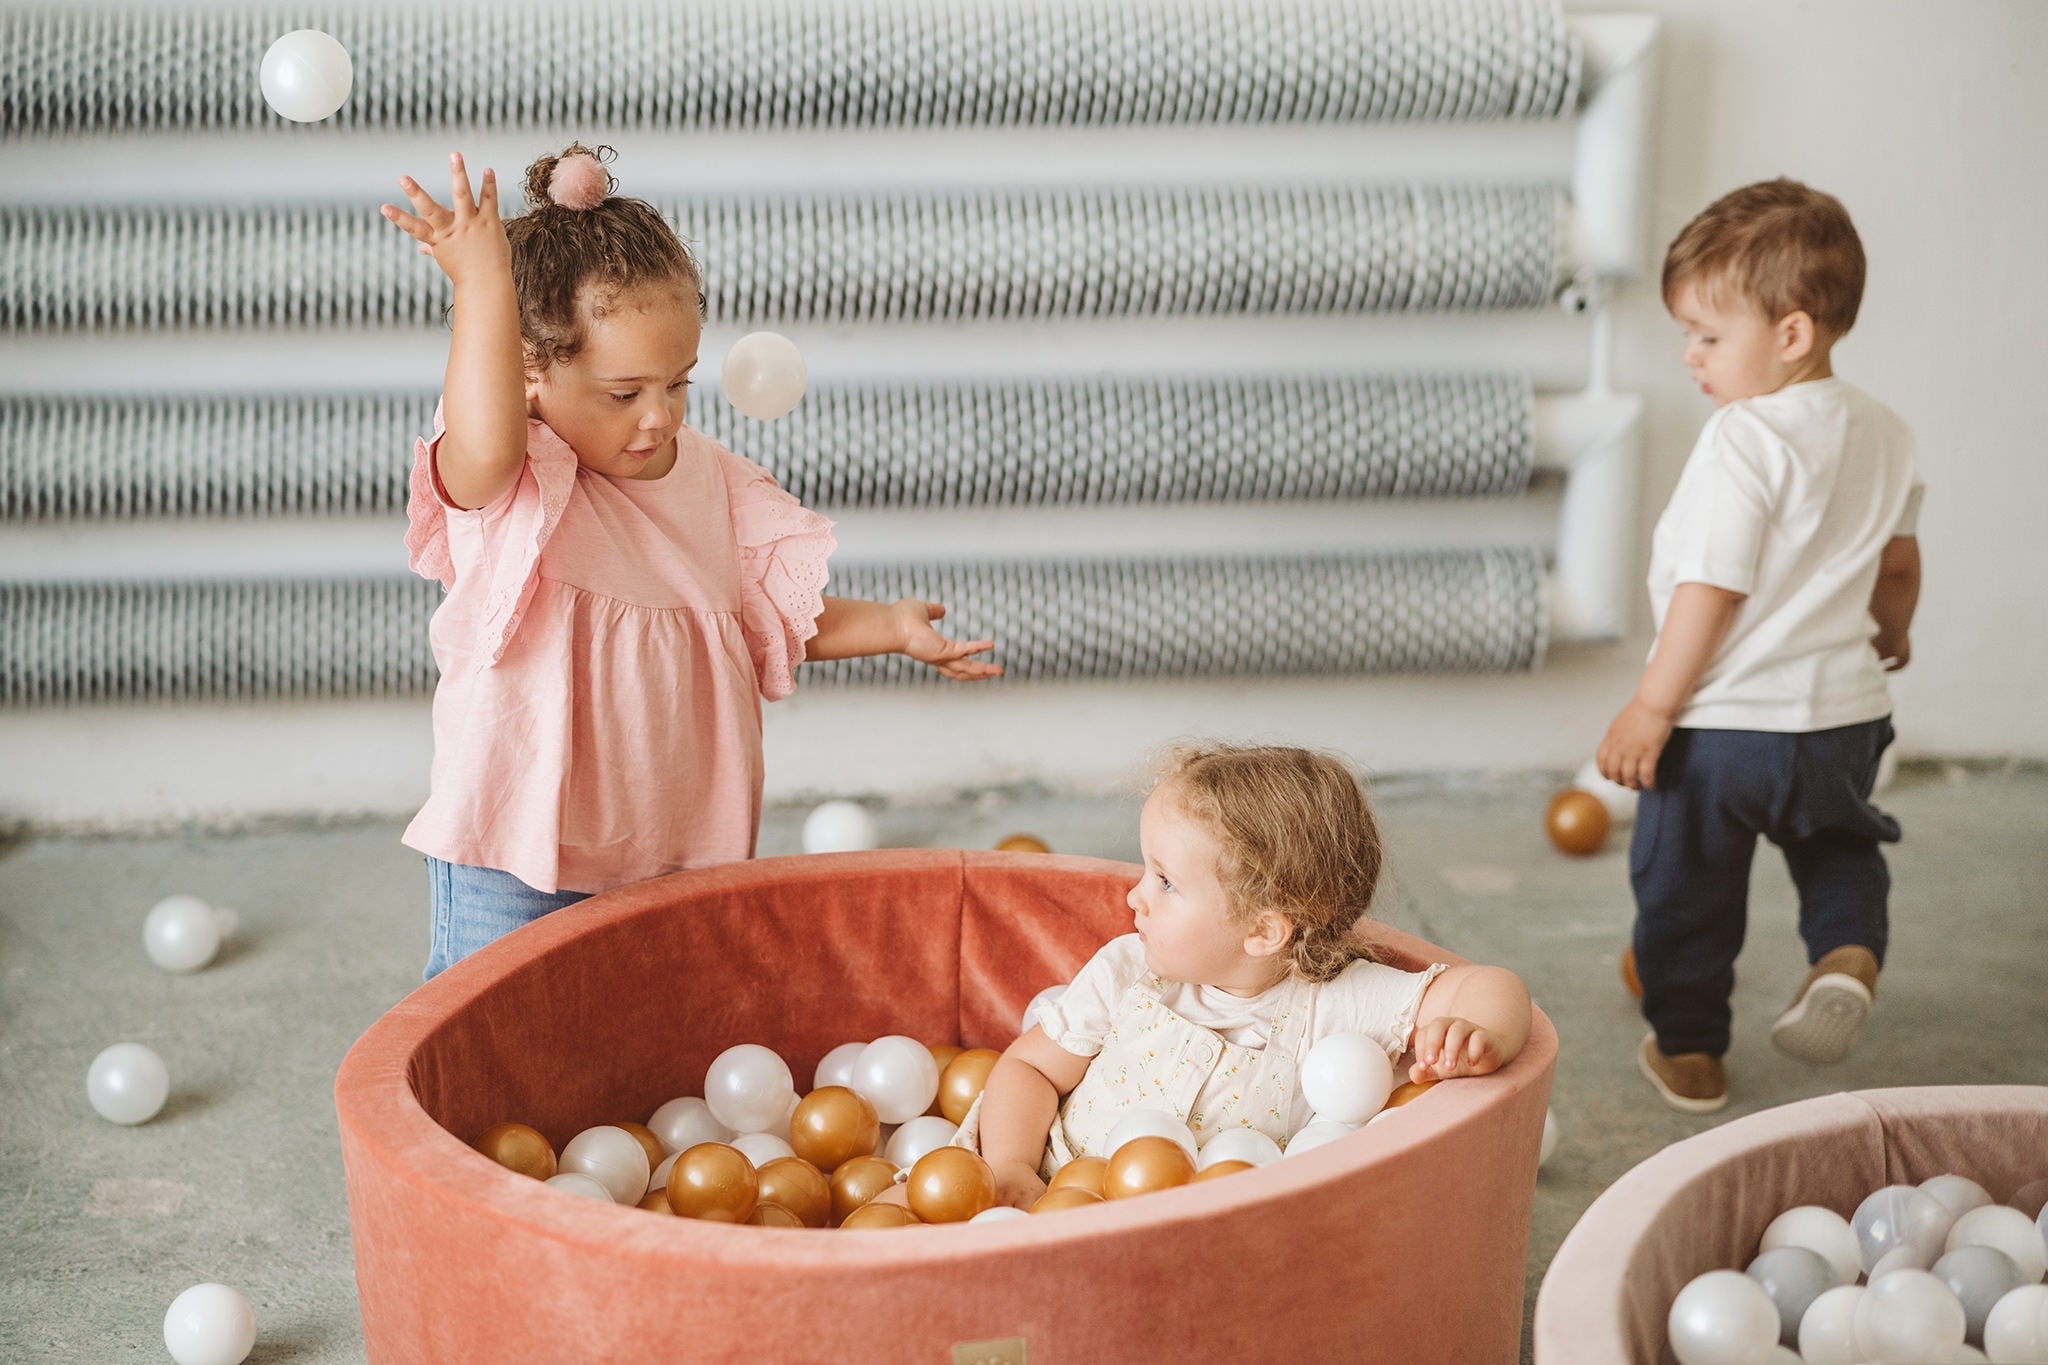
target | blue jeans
x=1717, y=792
x=471, y=906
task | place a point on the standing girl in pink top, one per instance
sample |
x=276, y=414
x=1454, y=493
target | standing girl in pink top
x=622, y=590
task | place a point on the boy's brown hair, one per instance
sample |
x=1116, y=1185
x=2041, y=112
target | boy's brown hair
x=1781, y=246
x=1293, y=834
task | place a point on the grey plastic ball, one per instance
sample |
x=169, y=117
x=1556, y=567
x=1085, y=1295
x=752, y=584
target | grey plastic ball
x=1979, y=1276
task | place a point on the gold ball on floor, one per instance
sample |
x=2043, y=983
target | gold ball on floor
x=1022, y=843
x=1576, y=822
x=1629, y=978
x=518, y=1148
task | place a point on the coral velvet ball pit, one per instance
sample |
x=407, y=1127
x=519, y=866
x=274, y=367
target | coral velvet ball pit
x=1405, y=1242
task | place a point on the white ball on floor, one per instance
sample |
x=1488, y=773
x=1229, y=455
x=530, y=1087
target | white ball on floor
x=1346, y=1077
x=1151, y=1123
x=762, y=1148
x=764, y=375
x=210, y=1324
x=1887, y=768
x=612, y=1157
x=582, y=1186
x=1238, y=1144
x=1619, y=800
x=925, y=1133
x=840, y=827
x=1316, y=1134
x=127, y=1083
x=1549, y=1138
x=686, y=1121
x=1038, y=1004
x=181, y=933
x=1723, y=1318
x=898, y=1075
x=748, y=1088
x=306, y=75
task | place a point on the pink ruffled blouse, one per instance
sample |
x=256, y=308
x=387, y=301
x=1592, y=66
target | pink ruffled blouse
x=604, y=648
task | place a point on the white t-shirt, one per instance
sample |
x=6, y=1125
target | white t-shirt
x=1790, y=498
x=1366, y=997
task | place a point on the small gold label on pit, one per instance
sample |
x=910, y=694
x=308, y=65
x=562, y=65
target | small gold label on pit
x=1003, y=1351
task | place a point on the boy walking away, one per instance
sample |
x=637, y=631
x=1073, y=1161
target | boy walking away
x=1783, y=577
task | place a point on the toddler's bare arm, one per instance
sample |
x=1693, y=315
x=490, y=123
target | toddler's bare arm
x=1893, y=599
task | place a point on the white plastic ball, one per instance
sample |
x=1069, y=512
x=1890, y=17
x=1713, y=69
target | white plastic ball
x=762, y=1148
x=1979, y=1276
x=2016, y=1329
x=612, y=1157
x=1911, y=1256
x=127, y=1083
x=1968, y=1355
x=306, y=75
x=1821, y=1230
x=748, y=1088
x=925, y=1133
x=1783, y=1355
x=658, y=1180
x=898, y=1075
x=1827, y=1334
x=836, y=1066
x=181, y=933
x=1794, y=1277
x=1723, y=1318
x=1899, y=1215
x=210, y=1324
x=582, y=1186
x=684, y=1122
x=1314, y=1135
x=780, y=1128
x=1909, y=1316
x=1000, y=1213
x=1151, y=1123
x=840, y=827
x=1957, y=1193
x=1346, y=1077
x=1038, y=1004
x=2010, y=1231
x=1237, y=1144
x=764, y=375
x=1549, y=1144
x=1619, y=800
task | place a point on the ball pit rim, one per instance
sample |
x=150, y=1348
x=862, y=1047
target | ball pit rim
x=373, y=1093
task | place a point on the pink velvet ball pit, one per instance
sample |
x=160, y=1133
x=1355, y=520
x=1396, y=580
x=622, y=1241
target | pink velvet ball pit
x=1403, y=1242
x=1703, y=1204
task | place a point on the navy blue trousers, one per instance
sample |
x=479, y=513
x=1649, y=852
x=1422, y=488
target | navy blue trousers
x=1695, y=838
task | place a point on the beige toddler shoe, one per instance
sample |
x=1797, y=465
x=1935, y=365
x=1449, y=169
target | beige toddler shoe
x=1826, y=1017
x=1693, y=1082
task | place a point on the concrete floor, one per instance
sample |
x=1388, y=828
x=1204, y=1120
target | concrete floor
x=239, y=1179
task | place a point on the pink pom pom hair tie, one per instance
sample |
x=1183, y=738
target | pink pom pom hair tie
x=579, y=182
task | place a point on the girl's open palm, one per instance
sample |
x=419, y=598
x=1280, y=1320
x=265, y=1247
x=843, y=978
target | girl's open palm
x=466, y=240
x=954, y=658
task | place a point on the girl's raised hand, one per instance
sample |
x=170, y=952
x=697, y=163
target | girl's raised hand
x=1447, y=1046
x=466, y=240
x=950, y=657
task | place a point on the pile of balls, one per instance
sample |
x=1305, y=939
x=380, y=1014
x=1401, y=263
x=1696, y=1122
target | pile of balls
x=1946, y=1274
x=878, y=1114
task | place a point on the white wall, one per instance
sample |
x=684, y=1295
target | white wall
x=1928, y=120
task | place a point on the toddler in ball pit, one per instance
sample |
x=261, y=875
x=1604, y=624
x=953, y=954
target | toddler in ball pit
x=1259, y=863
